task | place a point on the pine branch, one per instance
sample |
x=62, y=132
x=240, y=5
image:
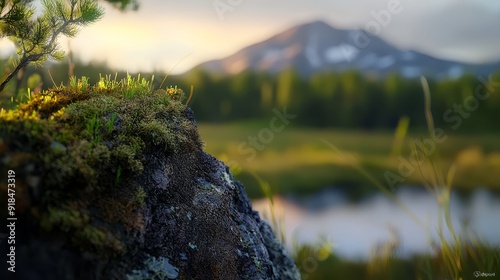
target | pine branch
x=36, y=40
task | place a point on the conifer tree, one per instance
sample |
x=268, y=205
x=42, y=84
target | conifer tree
x=35, y=38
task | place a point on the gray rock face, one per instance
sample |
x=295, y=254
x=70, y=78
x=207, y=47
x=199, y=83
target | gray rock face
x=196, y=222
x=202, y=221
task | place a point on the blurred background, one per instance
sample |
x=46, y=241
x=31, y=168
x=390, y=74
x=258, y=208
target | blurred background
x=318, y=108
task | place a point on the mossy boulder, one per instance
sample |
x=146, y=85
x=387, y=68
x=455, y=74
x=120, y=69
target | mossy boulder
x=114, y=184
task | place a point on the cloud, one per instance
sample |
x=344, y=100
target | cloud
x=461, y=30
x=163, y=32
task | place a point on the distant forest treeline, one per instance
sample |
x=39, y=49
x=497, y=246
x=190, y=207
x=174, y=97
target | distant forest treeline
x=342, y=100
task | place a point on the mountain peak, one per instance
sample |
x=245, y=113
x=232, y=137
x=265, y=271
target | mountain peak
x=301, y=30
x=316, y=24
x=316, y=46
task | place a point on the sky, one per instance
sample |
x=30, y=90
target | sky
x=176, y=35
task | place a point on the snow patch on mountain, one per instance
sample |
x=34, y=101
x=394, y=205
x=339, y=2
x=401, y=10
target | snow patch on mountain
x=312, y=51
x=341, y=53
x=386, y=61
x=316, y=46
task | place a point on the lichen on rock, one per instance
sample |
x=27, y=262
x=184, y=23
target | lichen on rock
x=154, y=268
x=113, y=185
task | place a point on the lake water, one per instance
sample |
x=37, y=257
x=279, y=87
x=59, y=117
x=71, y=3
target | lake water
x=355, y=228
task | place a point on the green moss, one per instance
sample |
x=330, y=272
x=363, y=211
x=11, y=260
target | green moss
x=126, y=155
x=86, y=144
x=77, y=223
x=158, y=134
x=140, y=195
x=65, y=219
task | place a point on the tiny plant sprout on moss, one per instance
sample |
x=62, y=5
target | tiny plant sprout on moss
x=97, y=136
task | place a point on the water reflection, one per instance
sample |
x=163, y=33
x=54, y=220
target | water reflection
x=355, y=228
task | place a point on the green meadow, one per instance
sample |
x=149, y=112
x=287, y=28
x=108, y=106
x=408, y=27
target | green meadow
x=303, y=160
